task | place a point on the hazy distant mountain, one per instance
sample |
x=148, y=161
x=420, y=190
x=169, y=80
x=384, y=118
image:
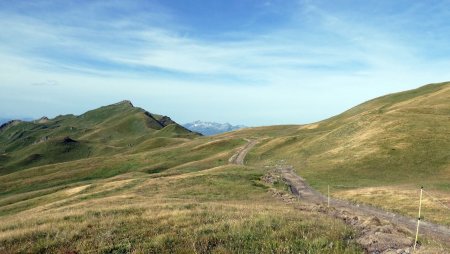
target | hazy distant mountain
x=4, y=120
x=211, y=128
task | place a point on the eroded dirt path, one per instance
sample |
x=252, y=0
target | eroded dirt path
x=300, y=188
x=378, y=231
x=238, y=158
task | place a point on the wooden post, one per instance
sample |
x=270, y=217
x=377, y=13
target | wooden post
x=420, y=200
x=328, y=195
x=418, y=219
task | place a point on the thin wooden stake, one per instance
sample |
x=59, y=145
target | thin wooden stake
x=418, y=219
x=328, y=195
x=417, y=234
x=420, y=200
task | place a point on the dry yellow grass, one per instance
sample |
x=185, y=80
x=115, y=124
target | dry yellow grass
x=403, y=200
x=222, y=209
x=181, y=197
x=309, y=127
x=76, y=190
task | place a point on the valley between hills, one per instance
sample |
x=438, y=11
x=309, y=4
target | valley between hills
x=119, y=179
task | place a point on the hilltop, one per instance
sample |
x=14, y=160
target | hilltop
x=108, y=130
x=379, y=152
x=394, y=137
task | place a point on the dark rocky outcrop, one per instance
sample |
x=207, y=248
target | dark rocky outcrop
x=68, y=140
x=9, y=123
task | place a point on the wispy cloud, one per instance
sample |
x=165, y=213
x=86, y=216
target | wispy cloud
x=319, y=55
x=128, y=46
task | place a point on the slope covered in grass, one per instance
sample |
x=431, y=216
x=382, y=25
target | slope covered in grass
x=151, y=188
x=121, y=180
x=400, y=139
x=394, y=138
x=104, y=131
x=181, y=198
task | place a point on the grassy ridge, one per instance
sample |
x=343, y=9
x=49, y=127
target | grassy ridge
x=398, y=140
x=105, y=131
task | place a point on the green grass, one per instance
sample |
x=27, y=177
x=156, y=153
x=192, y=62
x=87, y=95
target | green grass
x=395, y=140
x=189, y=157
x=165, y=194
x=220, y=210
x=146, y=188
x=110, y=130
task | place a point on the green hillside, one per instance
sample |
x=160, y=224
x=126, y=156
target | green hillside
x=396, y=142
x=105, y=131
x=393, y=138
x=165, y=195
x=120, y=180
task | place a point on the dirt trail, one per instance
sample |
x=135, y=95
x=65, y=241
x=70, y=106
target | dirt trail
x=300, y=188
x=379, y=231
x=238, y=158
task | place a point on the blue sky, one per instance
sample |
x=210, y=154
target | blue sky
x=244, y=62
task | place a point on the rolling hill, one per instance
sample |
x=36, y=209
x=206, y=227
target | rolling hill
x=393, y=138
x=166, y=194
x=108, y=130
x=373, y=152
x=120, y=180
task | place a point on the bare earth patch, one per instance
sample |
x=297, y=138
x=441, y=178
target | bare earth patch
x=76, y=190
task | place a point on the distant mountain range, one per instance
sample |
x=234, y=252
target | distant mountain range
x=211, y=128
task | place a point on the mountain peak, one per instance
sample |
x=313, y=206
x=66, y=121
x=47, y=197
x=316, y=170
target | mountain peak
x=125, y=102
x=43, y=119
x=106, y=130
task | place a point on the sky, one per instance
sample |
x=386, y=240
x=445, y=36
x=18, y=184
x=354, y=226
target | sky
x=252, y=62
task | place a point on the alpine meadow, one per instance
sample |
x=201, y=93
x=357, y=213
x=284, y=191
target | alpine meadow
x=241, y=126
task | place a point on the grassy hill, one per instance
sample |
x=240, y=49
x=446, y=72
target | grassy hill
x=134, y=182
x=180, y=198
x=379, y=152
x=120, y=180
x=105, y=131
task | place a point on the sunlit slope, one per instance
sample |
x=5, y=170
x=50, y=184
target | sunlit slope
x=107, y=130
x=397, y=138
x=185, y=157
x=180, y=198
x=154, y=189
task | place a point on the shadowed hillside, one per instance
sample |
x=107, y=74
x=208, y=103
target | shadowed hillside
x=108, y=130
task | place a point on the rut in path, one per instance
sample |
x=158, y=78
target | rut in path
x=373, y=242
